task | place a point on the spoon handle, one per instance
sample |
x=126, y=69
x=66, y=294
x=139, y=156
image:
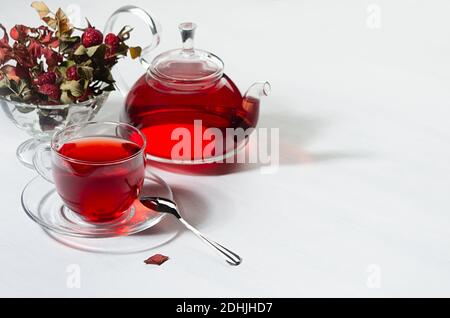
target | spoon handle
x=167, y=206
x=230, y=257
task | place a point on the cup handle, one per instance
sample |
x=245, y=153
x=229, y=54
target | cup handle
x=42, y=162
x=155, y=30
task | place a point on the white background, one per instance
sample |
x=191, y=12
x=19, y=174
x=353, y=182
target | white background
x=364, y=177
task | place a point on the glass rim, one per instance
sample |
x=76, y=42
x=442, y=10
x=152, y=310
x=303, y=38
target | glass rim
x=101, y=163
x=58, y=106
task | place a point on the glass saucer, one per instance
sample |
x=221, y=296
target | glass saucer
x=43, y=205
x=153, y=238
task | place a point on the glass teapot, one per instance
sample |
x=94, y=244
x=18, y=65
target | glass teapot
x=190, y=111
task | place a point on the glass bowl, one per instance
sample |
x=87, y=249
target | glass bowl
x=41, y=121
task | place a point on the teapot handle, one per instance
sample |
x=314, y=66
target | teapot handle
x=155, y=29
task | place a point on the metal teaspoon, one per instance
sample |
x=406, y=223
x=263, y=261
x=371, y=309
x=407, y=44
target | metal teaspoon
x=162, y=205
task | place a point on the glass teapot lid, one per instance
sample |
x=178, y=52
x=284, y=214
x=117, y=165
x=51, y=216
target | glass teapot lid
x=186, y=65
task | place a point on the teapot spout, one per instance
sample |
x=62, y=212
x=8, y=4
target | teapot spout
x=256, y=91
x=252, y=98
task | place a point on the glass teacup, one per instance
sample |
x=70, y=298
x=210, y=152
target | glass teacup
x=98, y=168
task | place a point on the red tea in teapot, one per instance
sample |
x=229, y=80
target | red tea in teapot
x=159, y=112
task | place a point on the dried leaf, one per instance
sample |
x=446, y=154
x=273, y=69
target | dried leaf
x=135, y=52
x=65, y=98
x=65, y=65
x=20, y=32
x=47, y=37
x=5, y=55
x=63, y=22
x=35, y=49
x=104, y=75
x=156, y=259
x=4, y=82
x=80, y=51
x=41, y=8
x=22, y=56
x=73, y=86
x=24, y=91
x=109, y=88
x=86, y=72
x=51, y=22
x=71, y=39
x=5, y=49
x=11, y=73
x=51, y=57
x=68, y=46
x=98, y=50
x=122, y=50
x=5, y=40
x=25, y=109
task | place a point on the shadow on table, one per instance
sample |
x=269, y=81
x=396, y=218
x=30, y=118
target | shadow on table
x=295, y=132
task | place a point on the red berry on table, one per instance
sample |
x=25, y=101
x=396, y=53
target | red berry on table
x=91, y=37
x=51, y=90
x=46, y=78
x=112, y=41
x=72, y=73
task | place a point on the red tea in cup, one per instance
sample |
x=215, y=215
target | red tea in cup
x=98, y=179
x=98, y=168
